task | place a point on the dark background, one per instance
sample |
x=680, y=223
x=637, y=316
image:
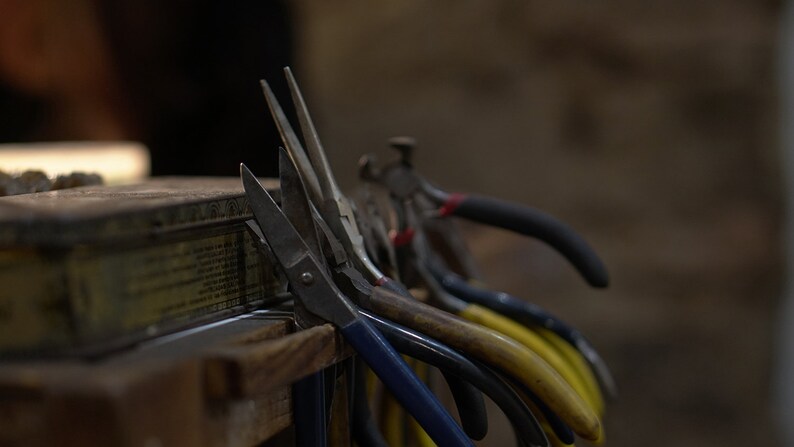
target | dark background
x=651, y=127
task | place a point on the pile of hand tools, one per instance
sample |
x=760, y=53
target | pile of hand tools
x=390, y=270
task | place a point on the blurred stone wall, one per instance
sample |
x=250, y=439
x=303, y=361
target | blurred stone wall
x=650, y=127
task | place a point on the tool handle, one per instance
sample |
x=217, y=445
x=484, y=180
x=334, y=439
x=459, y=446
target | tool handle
x=309, y=408
x=393, y=286
x=534, y=223
x=365, y=428
x=398, y=377
x=454, y=364
x=496, y=350
x=470, y=405
x=526, y=313
x=504, y=303
x=557, y=426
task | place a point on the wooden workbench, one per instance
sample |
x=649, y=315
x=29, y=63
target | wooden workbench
x=133, y=316
x=226, y=384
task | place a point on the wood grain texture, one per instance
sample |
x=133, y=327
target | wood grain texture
x=89, y=270
x=247, y=370
x=226, y=385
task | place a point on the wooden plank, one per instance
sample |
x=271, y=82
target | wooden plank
x=247, y=370
x=98, y=214
x=71, y=404
x=248, y=421
x=88, y=270
x=225, y=385
x=152, y=404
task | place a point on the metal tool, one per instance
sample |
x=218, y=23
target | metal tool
x=555, y=390
x=454, y=292
x=342, y=239
x=493, y=349
x=423, y=258
x=298, y=210
x=502, y=354
x=510, y=356
x=335, y=208
x=430, y=351
x=415, y=197
x=405, y=183
x=526, y=313
x=468, y=399
x=310, y=283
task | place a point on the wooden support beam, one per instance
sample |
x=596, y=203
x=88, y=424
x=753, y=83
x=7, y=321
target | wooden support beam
x=225, y=386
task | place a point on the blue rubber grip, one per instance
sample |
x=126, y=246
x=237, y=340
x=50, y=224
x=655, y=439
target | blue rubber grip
x=309, y=409
x=400, y=379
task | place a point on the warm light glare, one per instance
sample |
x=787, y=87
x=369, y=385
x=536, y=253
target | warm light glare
x=117, y=162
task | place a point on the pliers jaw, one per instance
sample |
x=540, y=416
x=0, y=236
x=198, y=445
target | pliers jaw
x=305, y=274
x=399, y=176
x=406, y=184
x=313, y=166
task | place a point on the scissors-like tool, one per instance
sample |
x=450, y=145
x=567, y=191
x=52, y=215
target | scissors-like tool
x=312, y=286
x=335, y=208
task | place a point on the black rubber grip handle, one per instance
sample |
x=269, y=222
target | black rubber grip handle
x=365, y=428
x=534, y=223
x=520, y=310
x=470, y=405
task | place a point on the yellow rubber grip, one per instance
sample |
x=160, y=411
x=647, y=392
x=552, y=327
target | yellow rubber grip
x=393, y=420
x=534, y=342
x=579, y=365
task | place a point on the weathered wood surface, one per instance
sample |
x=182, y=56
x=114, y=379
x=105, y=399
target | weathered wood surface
x=250, y=369
x=170, y=392
x=96, y=268
x=97, y=214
